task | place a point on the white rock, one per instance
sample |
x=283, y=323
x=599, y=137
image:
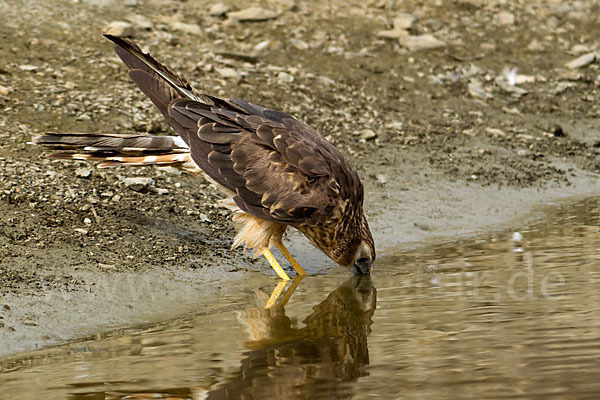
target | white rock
x=403, y=21
x=141, y=22
x=218, y=10
x=581, y=61
x=28, y=67
x=422, y=42
x=139, y=184
x=299, y=44
x=284, y=77
x=392, y=34
x=580, y=49
x=535, y=46
x=4, y=90
x=83, y=172
x=119, y=28
x=476, y=90
x=505, y=18
x=253, y=14
x=229, y=73
x=368, y=134
x=194, y=29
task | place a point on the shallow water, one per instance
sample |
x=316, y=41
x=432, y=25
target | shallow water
x=494, y=317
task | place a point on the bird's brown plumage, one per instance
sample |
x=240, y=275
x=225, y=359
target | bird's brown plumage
x=277, y=170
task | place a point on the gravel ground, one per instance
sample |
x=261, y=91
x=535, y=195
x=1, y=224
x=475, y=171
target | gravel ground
x=460, y=116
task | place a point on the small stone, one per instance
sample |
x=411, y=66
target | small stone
x=83, y=117
x=392, y=34
x=139, y=184
x=476, y=90
x=284, y=77
x=119, y=28
x=218, y=10
x=193, y=29
x=505, y=18
x=87, y=221
x=4, y=90
x=580, y=49
x=204, y=218
x=495, y=132
x=535, y=46
x=81, y=230
x=28, y=67
x=160, y=190
x=229, y=73
x=581, y=61
x=299, y=44
x=141, y=22
x=367, y=134
x=253, y=14
x=403, y=21
x=83, y=172
x=422, y=42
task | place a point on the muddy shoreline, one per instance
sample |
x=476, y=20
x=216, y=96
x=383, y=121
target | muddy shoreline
x=446, y=146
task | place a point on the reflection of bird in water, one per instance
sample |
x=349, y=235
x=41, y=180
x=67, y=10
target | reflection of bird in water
x=315, y=361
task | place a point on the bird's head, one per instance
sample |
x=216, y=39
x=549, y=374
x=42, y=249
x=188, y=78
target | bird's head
x=364, y=257
x=359, y=253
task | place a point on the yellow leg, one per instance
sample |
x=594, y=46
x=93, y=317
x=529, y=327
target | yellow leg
x=291, y=259
x=275, y=295
x=269, y=256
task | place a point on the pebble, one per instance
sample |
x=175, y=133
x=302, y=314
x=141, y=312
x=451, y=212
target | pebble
x=505, y=18
x=120, y=28
x=253, y=14
x=81, y=230
x=367, y=134
x=229, y=73
x=535, y=46
x=422, y=42
x=299, y=44
x=284, y=77
x=392, y=34
x=141, y=22
x=580, y=49
x=476, y=90
x=193, y=29
x=403, y=21
x=83, y=172
x=581, y=61
x=160, y=190
x=4, y=90
x=139, y=184
x=28, y=67
x=218, y=10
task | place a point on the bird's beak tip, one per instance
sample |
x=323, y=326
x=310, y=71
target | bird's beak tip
x=362, y=269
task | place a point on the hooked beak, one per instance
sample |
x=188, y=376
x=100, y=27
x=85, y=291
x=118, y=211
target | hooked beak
x=362, y=266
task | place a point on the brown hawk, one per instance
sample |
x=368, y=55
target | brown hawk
x=275, y=170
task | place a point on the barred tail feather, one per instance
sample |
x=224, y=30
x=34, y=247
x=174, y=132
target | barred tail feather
x=116, y=150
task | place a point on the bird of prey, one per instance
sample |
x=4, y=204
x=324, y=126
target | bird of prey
x=274, y=170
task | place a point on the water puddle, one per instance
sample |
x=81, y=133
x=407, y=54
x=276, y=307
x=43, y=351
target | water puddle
x=508, y=315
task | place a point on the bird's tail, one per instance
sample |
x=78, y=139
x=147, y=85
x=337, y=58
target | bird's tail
x=115, y=149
